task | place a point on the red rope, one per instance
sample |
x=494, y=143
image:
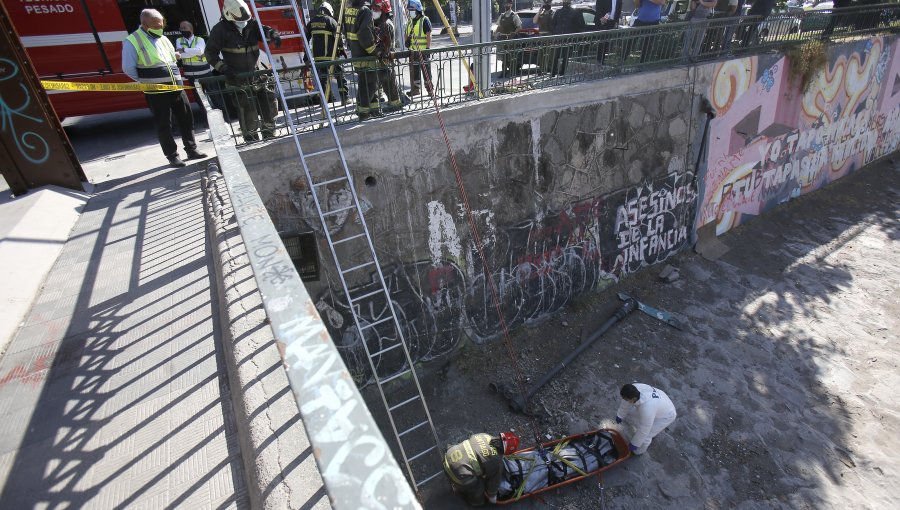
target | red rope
x=520, y=380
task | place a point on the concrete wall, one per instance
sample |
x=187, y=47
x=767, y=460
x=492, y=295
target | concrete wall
x=571, y=189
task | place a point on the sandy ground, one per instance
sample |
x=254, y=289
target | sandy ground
x=783, y=378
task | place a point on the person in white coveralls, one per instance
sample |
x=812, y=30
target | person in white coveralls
x=648, y=410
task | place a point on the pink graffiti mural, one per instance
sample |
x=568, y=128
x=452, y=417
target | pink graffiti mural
x=772, y=142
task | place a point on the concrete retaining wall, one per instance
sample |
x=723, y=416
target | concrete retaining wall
x=574, y=188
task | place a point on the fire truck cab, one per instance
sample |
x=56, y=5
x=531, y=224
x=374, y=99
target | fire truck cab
x=78, y=40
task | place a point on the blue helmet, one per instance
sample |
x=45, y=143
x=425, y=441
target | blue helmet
x=414, y=4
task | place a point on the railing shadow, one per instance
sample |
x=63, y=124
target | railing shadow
x=132, y=408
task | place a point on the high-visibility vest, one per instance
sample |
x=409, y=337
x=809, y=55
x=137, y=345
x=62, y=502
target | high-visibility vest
x=153, y=67
x=193, y=66
x=415, y=33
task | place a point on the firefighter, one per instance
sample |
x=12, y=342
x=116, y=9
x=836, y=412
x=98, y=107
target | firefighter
x=149, y=57
x=360, y=29
x=475, y=466
x=233, y=48
x=322, y=32
x=648, y=410
x=384, y=48
x=418, y=39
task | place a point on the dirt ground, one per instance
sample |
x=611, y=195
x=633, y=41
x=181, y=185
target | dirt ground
x=783, y=378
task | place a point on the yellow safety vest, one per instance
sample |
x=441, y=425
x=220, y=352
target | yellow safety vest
x=193, y=66
x=153, y=67
x=415, y=32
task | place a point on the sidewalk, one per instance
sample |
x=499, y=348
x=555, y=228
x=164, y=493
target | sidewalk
x=113, y=392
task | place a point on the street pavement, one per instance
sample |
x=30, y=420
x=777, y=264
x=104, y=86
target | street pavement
x=112, y=391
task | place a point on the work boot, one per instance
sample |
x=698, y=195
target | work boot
x=415, y=90
x=363, y=116
x=376, y=114
x=175, y=161
x=195, y=154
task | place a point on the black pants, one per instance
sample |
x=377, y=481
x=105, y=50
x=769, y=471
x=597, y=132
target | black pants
x=603, y=48
x=645, y=40
x=338, y=72
x=559, y=60
x=366, y=88
x=163, y=106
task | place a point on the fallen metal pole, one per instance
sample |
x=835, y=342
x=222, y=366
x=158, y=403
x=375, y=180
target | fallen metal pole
x=518, y=403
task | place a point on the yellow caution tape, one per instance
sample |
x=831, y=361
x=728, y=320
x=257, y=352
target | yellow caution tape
x=110, y=87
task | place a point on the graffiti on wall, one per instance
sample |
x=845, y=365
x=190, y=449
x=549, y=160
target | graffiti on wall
x=538, y=267
x=771, y=142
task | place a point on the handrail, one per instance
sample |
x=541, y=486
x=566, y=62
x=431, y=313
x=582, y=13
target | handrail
x=355, y=461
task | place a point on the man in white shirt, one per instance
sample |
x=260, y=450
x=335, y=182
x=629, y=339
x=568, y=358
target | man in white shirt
x=648, y=410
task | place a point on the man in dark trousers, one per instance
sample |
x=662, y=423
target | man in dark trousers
x=565, y=21
x=607, y=16
x=149, y=57
x=233, y=48
x=384, y=48
x=361, y=38
x=836, y=20
x=322, y=32
x=475, y=466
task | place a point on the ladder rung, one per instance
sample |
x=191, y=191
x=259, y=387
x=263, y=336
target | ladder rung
x=274, y=8
x=302, y=94
x=372, y=325
x=364, y=296
x=319, y=153
x=416, y=456
x=342, y=209
x=344, y=240
x=354, y=268
x=386, y=349
x=395, y=376
x=401, y=404
x=430, y=478
x=330, y=181
x=407, y=431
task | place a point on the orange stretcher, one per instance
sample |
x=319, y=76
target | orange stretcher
x=622, y=451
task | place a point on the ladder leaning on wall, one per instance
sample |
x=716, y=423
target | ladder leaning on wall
x=355, y=260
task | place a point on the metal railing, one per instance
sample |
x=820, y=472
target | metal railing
x=528, y=63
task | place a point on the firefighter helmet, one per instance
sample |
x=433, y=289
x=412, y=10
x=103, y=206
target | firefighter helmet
x=382, y=5
x=414, y=4
x=235, y=10
x=510, y=442
x=326, y=8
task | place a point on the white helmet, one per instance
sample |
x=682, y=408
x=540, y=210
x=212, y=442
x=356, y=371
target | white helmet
x=327, y=9
x=235, y=10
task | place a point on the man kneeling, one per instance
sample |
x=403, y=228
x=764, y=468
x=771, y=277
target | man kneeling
x=475, y=466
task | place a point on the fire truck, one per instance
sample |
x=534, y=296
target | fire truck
x=81, y=40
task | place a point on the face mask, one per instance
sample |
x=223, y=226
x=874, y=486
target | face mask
x=241, y=24
x=155, y=32
x=186, y=34
x=412, y=14
x=376, y=15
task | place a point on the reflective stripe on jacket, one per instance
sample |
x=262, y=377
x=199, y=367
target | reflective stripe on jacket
x=475, y=458
x=155, y=64
x=193, y=66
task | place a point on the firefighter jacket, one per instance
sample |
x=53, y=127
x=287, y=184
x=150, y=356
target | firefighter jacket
x=239, y=51
x=653, y=405
x=322, y=31
x=384, y=43
x=149, y=59
x=360, y=29
x=475, y=458
x=193, y=60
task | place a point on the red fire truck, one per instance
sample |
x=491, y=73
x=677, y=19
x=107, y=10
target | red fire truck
x=81, y=40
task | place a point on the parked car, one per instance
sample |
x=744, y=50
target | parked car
x=782, y=21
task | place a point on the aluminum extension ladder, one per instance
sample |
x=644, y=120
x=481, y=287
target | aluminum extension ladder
x=354, y=253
